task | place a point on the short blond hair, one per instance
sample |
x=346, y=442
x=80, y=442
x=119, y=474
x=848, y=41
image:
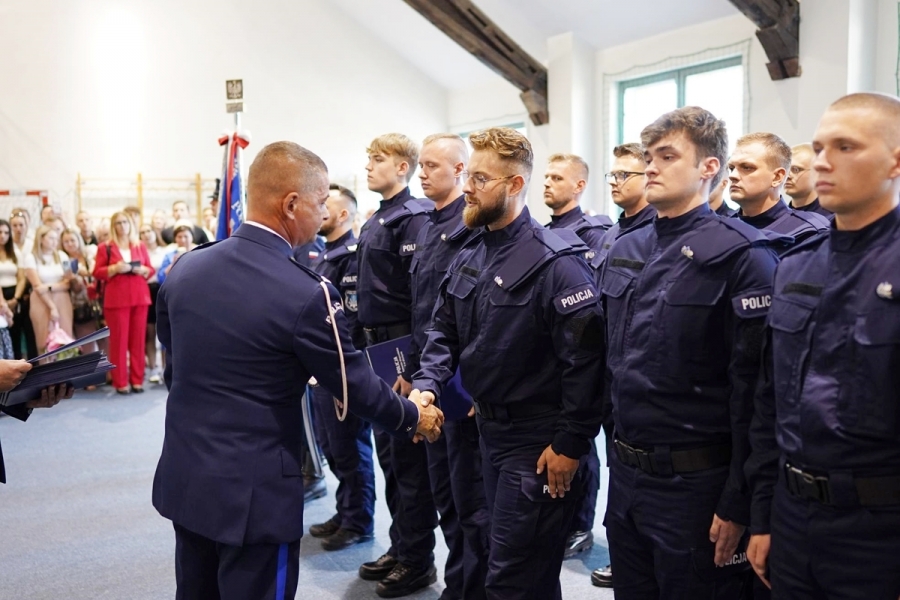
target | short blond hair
x=399, y=146
x=573, y=159
x=804, y=148
x=42, y=231
x=462, y=149
x=777, y=150
x=511, y=146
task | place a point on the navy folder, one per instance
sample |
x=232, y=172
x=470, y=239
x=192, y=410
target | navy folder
x=388, y=360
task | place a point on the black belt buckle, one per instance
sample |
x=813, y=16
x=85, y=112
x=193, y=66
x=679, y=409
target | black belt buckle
x=635, y=457
x=807, y=485
x=484, y=410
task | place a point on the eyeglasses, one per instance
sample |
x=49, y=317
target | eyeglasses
x=480, y=180
x=797, y=171
x=620, y=176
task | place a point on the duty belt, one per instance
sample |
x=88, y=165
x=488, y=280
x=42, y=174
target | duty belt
x=513, y=412
x=659, y=462
x=383, y=333
x=871, y=491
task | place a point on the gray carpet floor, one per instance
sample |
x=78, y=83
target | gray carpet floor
x=77, y=522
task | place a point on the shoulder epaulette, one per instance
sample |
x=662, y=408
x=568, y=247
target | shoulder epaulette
x=535, y=249
x=308, y=271
x=560, y=240
x=339, y=252
x=206, y=245
x=810, y=243
x=821, y=223
x=602, y=221
x=460, y=231
x=729, y=236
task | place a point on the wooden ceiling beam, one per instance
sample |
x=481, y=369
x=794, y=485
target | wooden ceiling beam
x=466, y=25
x=779, y=33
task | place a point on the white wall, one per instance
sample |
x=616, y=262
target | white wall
x=110, y=88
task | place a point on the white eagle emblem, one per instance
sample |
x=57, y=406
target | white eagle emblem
x=885, y=290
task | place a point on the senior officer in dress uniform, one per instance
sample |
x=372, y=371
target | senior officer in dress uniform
x=387, y=243
x=517, y=313
x=565, y=180
x=237, y=362
x=685, y=297
x=628, y=191
x=346, y=444
x=454, y=461
x=757, y=171
x=825, y=468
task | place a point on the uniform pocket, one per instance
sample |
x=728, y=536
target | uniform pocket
x=511, y=321
x=791, y=340
x=871, y=403
x=688, y=326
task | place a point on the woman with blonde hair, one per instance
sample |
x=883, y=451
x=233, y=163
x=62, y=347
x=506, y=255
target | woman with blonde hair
x=123, y=265
x=45, y=268
x=84, y=321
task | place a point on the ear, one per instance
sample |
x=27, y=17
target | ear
x=289, y=205
x=579, y=187
x=895, y=168
x=709, y=166
x=779, y=177
x=343, y=216
x=458, y=168
x=402, y=168
x=516, y=185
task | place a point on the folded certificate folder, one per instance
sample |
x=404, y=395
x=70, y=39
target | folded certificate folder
x=388, y=360
x=78, y=371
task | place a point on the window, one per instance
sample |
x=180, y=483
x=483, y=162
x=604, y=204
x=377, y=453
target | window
x=716, y=86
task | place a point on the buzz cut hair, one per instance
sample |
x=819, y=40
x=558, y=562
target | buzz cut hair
x=805, y=147
x=397, y=145
x=572, y=159
x=632, y=149
x=463, y=150
x=886, y=105
x=707, y=132
x=512, y=147
x=778, y=153
x=346, y=194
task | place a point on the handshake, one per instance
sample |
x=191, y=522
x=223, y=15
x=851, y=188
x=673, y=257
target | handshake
x=430, y=417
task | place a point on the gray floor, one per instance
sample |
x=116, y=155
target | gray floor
x=78, y=523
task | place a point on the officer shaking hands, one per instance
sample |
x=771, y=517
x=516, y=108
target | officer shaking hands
x=825, y=468
x=244, y=327
x=517, y=313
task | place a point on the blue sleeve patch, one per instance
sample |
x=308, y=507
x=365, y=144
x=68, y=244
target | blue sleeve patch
x=575, y=298
x=752, y=304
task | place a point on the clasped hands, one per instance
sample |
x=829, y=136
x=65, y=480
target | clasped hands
x=430, y=416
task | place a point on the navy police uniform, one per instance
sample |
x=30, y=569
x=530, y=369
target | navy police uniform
x=346, y=444
x=791, y=226
x=685, y=300
x=517, y=314
x=229, y=476
x=726, y=211
x=814, y=206
x=454, y=461
x=592, y=231
x=825, y=467
x=387, y=242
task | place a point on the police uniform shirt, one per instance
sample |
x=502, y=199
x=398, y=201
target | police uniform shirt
x=797, y=226
x=622, y=226
x=336, y=262
x=517, y=312
x=387, y=243
x=590, y=229
x=726, y=211
x=829, y=401
x=439, y=241
x=814, y=206
x=685, y=300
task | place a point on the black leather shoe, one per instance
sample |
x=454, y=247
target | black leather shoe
x=314, y=488
x=403, y=581
x=344, y=538
x=602, y=577
x=323, y=530
x=377, y=569
x=578, y=541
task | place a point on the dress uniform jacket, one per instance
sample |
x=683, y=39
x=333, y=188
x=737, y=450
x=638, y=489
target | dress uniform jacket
x=792, y=226
x=591, y=229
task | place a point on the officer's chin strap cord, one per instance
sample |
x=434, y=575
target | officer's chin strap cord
x=340, y=410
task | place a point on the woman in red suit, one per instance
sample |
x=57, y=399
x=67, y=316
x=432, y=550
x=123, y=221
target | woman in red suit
x=123, y=264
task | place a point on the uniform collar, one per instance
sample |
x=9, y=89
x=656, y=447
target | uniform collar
x=639, y=217
x=681, y=223
x=567, y=218
x=862, y=240
x=811, y=207
x=499, y=237
x=449, y=212
x=399, y=198
x=340, y=241
x=266, y=236
x=763, y=220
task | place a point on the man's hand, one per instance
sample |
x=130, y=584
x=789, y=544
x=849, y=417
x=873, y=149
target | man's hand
x=402, y=386
x=430, y=417
x=725, y=535
x=51, y=396
x=12, y=372
x=560, y=471
x=758, y=555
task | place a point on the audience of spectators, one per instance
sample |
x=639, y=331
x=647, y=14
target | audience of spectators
x=46, y=269
x=184, y=242
x=181, y=212
x=157, y=251
x=12, y=282
x=84, y=321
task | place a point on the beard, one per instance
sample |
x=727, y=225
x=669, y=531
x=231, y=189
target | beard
x=555, y=202
x=483, y=214
x=327, y=228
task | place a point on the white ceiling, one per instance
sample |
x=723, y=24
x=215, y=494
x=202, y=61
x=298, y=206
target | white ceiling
x=601, y=23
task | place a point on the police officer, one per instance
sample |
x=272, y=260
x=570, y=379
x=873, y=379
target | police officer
x=801, y=181
x=757, y=171
x=229, y=475
x=387, y=243
x=346, y=444
x=717, y=200
x=685, y=296
x=517, y=313
x=454, y=461
x=627, y=188
x=565, y=179
x=825, y=468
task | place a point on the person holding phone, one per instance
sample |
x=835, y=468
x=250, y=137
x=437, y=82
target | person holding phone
x=123, y=264
x=50, y=273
